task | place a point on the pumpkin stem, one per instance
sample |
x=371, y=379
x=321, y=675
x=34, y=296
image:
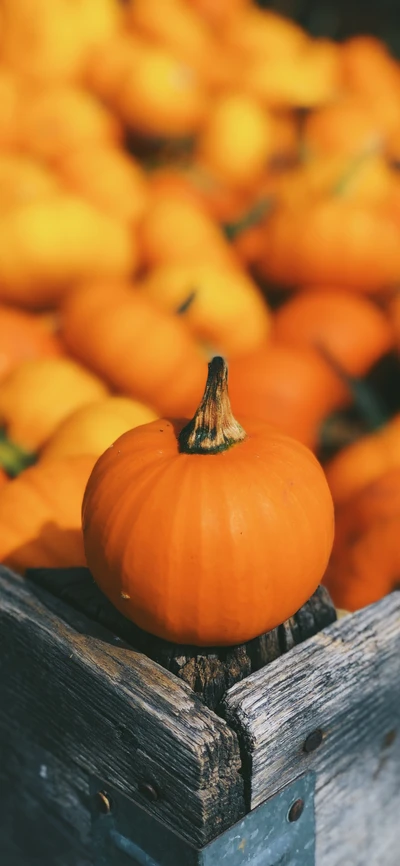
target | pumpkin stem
x=213, y=428
x=253, y=217
x=12, y=458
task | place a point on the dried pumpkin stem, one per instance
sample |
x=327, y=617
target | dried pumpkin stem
x=213, y=428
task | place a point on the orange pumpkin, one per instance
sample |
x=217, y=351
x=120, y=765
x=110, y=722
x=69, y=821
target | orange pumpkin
x=109, y=178
x=227, y=310
x=25, y=180
x=48, y=245
x=209, y=500
x=369, y=569
x=375, y=503
x=161, y=95
x=40, y=520
x=332, y=242
x=24, y=336
x=38, y=394
x=364, y=461
x=351, y=328
x=236, y=140
x=175, y=229
x=94, y=427
x=140, y=350
x=289, y=387
x=56, y=121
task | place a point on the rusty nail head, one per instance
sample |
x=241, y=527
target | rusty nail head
x=313, y=741
x=103, y=802
x=295, y=810
x=149, y=791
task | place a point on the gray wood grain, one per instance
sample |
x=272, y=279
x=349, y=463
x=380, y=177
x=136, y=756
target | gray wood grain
x=44, y=807
x=346, y=682
x=209, y=671
x=70, y=687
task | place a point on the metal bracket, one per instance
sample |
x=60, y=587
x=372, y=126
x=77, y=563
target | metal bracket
x=279, y=832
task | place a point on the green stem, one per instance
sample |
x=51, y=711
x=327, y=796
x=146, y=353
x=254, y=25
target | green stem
x=213, y=428
x=14, y=459
x=252, y=218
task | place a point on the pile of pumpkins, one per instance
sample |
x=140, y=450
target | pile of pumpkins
x=209, y=182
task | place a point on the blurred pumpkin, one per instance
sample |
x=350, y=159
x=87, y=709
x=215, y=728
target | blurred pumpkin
x=369, y=569
x=47, y=245
x=364, y=461
x=57, y=121
x=94, y=427
x=161, y=95
x=351, y=328
x=371, y=74
x=109, y=178
x=291, y=388
x=176, y=230
x=24, y=336
x=108, y=65
x=40, y=515
x=235, y=141
x=9, y=103
x=139, y=349
x=52, y=44
x=38, y=394
x=332, y=242
x=374, y=503
x=236, y=498
x=345, y=127
x=222, y=306
x=25, y=180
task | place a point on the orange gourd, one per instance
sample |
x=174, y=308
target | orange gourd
x=363, y=566
x=24, y=180
x=94, y=427
x=352, y=329
x=48, y=245
x=109, y=178
x=40, y=522
x=344, y=127
x=289, y=387
x=195, y=548
x=332, y=242
x=24, y=336
x=236, y=140
x=140, y=350
x=226, y=310
x=175, y=229
x=364, y=461
x=56, y=121
x=161, y=95
x=38, y=394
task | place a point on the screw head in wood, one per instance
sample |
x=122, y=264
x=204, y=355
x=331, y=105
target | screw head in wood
x=148, y=790
x=313, y=741
x=296, y=810
x=103, y=802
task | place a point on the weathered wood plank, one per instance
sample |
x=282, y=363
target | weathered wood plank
x=209, y=671
x=44, y=807
x=73, y=689
x=345, y=681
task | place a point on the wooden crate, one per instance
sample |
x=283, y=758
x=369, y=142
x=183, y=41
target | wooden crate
x=81, y=712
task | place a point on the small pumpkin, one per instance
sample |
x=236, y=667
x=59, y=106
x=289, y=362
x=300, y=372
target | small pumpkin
x=109, y=178
x=47, y=245
x=24, y=336
x=227, y=310
x=216, y=535
x=351, y=328
x=378, y=501
x=139, y=349
x=292, y=388
x=56, y=121
x=94, y=427
x=38, y=394
x=40, y=521
x=364, y=461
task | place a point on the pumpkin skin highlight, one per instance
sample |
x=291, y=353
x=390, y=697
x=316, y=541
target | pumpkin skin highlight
x=194, y=547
